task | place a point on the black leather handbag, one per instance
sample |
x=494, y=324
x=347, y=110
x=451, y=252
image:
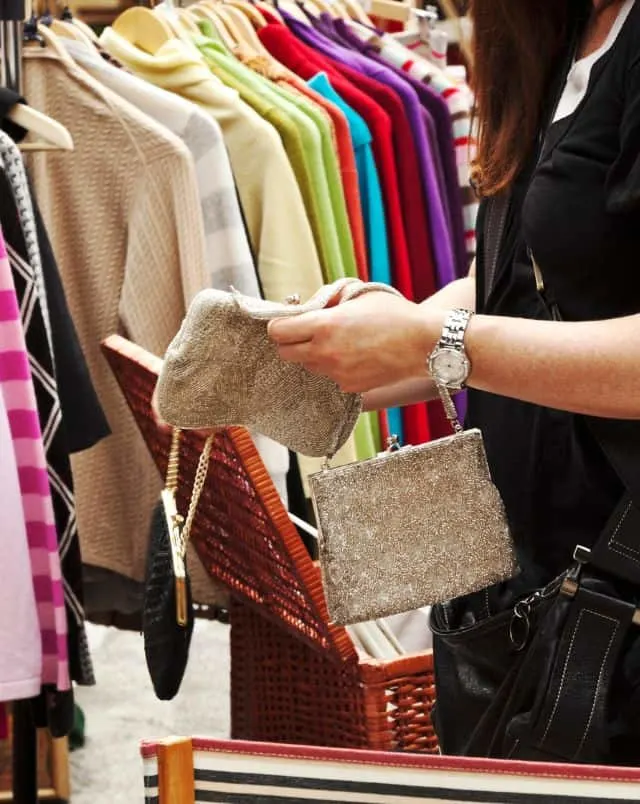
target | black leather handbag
x=547, y=678
x=167, y=616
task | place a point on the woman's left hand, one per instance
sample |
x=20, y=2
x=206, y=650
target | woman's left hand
x=373, y=340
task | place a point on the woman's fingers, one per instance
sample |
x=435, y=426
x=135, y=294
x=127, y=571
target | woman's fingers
x=289, y=331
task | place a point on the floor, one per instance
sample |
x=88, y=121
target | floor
x=121, y=710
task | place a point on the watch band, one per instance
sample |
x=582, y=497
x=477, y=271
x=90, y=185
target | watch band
x=454, y=328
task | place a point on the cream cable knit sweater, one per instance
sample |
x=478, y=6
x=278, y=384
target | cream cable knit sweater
x=124, y=218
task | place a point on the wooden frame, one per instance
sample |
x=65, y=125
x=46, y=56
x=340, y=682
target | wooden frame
x=53, y=769
x=193, y=770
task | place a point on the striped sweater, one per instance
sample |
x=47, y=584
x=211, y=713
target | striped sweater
x=18, y=394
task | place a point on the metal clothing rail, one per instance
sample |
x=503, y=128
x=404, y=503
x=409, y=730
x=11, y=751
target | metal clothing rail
x=12, y=15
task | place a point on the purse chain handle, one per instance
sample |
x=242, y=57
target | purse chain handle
x=171, y=481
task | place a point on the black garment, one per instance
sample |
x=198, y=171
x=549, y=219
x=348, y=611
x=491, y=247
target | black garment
x=577, y=211
x=53, y=425
x=8, y=99
x=85, y=421
x=84, y=418
x=580, y=216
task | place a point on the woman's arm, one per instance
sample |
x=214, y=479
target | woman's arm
x=461, y=293
x=378, y=340
x=587, y=367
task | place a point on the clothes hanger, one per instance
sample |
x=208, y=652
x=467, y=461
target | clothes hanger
x=356, y=12
x=66, y=30
x=87, y=30
x=339, y=10
x=65, y=27
x=183, y=27
x=218, y=9
x=143, y=29
x=230, y=24
x=52, y=136
x=224, y=34
x=270, y=8
x=248, y=36
x=249, y=11
x=324, y=6
x=292, y=7
x=187, y=21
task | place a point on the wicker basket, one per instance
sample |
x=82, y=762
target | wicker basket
x=295, y=678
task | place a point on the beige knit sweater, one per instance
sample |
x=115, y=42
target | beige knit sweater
x=124, y=218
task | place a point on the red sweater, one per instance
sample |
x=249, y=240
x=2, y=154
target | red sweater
x=306, y=62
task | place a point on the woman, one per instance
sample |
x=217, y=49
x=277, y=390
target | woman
x=558, y=105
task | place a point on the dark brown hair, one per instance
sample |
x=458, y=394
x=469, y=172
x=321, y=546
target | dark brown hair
x=518, y=46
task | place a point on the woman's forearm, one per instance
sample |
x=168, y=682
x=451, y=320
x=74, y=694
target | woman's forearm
x=591, y=368
x=585, y=367
x=404, y=393
x=460, y=293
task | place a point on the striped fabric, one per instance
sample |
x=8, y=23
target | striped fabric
x=244, y=773
x=16, y=386
x=459, y=107
x=29, y=283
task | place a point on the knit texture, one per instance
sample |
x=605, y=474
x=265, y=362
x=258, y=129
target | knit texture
x=124, y=218
x=227, y=249
x=16, y=386
x=21, y=655
x=458, y=103
x=287, y=258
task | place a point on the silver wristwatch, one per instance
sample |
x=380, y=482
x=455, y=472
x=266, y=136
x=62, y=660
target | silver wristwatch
x=448, y=364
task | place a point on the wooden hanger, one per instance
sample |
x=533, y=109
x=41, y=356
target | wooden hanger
x=229, y=22
x=292, y=7
x=143, y=29
x=87, y=30
x=52, y=136
x=225, y=37
x=270, y=8
x=325, y=6
x=66, y=30
x=356, y=12
x=187, y=21
x=245, y=29
x=250, y=11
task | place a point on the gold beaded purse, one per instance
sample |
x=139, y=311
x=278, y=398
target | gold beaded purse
x=415, y=526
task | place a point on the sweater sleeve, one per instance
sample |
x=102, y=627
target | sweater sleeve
x=279, y=228
x=165, y=264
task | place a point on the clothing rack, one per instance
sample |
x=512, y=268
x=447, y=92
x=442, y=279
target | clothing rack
x=12, y=14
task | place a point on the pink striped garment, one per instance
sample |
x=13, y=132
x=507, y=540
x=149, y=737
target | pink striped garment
x=458, y=102
x=16, y=386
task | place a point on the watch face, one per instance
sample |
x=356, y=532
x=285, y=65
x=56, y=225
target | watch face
x=449, y=367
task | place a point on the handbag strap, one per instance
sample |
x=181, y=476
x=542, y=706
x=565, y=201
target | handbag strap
x=172, y=477
x=617, y=550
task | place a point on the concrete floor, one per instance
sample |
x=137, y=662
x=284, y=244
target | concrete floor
x=121, y=710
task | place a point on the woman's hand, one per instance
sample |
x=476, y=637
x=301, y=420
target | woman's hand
x=373, y=340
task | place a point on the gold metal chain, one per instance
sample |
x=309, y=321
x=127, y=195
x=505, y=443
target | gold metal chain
x=198, y=485
x=171, y=480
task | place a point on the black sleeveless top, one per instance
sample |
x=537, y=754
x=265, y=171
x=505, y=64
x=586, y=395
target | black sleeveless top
x=578, y=211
